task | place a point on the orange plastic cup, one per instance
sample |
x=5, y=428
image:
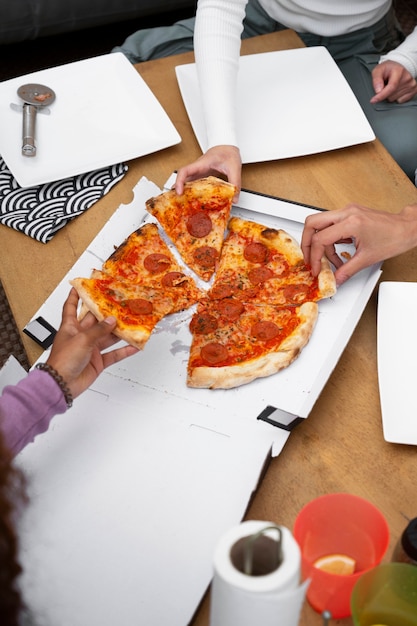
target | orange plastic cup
x=338, y=523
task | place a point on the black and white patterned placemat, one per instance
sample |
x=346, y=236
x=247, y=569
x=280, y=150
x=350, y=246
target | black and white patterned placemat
x=40, y=212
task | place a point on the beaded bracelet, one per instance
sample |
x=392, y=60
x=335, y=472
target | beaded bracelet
x=59, y=381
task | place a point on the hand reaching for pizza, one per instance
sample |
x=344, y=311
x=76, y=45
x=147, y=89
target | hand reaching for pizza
x=77, y=349
x=377, y=236
x=224, y=160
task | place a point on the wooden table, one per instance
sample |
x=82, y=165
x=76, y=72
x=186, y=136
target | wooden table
x=340, y=446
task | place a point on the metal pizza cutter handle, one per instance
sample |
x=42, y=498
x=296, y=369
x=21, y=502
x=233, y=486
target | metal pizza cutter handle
x=34, y=97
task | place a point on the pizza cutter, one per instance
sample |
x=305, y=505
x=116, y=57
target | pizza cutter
x=35, y=98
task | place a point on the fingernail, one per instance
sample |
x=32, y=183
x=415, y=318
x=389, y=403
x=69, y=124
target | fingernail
x=110, y=320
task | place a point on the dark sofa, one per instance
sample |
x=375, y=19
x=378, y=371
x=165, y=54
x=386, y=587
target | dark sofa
x=22, y=20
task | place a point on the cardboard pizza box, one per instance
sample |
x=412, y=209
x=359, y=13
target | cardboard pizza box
x=133, y=487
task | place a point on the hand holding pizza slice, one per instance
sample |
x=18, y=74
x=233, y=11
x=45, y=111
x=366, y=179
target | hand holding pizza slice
x=137, y=308
x=140, y=283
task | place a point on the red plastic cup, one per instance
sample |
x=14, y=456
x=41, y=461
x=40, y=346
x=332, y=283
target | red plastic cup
x=338, y=523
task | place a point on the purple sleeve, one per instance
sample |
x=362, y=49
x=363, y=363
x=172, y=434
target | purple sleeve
x=27, y=408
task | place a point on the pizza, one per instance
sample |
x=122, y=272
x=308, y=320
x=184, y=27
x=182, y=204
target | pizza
x=145, y=259
x=261, y=310
x=256, y=314
x=139, y=284
x=264, y=264
x=137, y=308
x=195, y=221
x=235, y=342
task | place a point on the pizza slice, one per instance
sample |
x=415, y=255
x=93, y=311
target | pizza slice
x=235, y=342
x=196, y=220
x=137, y=308
x=144, y=258
x=266, y=265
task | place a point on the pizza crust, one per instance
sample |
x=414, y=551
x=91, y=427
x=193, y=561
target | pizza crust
x=228, y=377
x=203, y=187
x=326, y=279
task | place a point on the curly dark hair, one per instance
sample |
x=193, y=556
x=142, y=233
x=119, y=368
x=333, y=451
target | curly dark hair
x=12, y=496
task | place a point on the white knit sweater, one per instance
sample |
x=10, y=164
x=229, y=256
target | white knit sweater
x=217, y=46
x=326, y=17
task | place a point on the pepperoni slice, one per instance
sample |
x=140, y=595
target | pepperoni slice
x=264, y=331
x=139, y=306
x=255, y=252
x=221, y=290
x=251, y=292
x=199, y=225
x=203, y=323
x=173, y=279
x=260, y=274
x=231, y=309
x=156, y=263
x=214, y=353
x=295, y=293
x=205, y=256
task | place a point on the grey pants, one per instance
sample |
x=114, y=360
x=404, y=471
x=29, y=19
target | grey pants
x=355, y=53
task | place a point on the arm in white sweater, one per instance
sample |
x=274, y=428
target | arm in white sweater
x=217, y=43
x=406, y=54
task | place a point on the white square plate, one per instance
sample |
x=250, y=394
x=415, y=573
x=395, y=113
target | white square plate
x=397, y=348
x=290, y=103
x=104, y=113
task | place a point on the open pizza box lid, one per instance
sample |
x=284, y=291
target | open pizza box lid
x=134, y=486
